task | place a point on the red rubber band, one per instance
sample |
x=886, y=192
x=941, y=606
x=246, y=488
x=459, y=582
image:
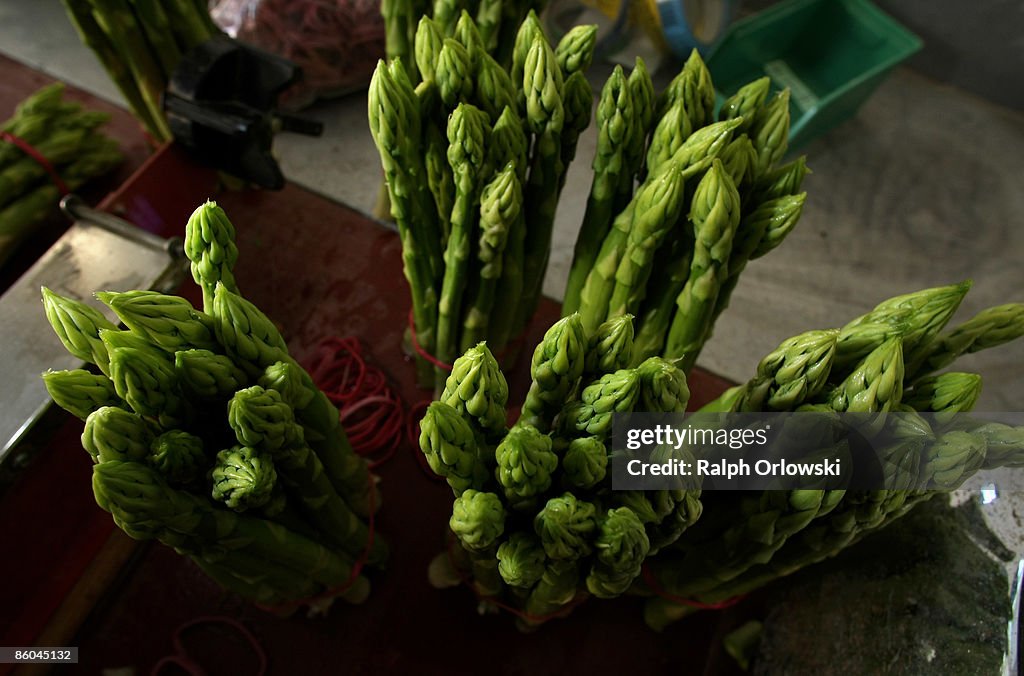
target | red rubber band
x=26, y=147
x=537, y=619
x=184, y=661
x=419, y=349
x=370, y=411
x=655, y=586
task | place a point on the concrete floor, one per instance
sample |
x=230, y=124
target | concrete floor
x=921, y=188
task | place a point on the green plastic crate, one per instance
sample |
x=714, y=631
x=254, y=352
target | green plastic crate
x=831, y=54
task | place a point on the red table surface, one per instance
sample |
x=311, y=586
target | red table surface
x=319, y=269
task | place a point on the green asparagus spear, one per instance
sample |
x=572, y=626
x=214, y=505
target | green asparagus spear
x=558, y=363
x=112, y=433
x=663, y=387
x=795, y=372
x=578, y=99
x=615, y=123
x=509, y=144
x=478, y=520
x=769, y=130
x=876, y=384
x=500, y=203
x=566, y=527
x=210, y=246
x=521, y=560
x=243, y=478
x=641, y=90
x=612, y=393
x=545, y=118
x=454, y=73
x=693, y=87
x=915, y=317
x=395, y=125
x=79, y=392
x=467, y=33
x=78, y=327
x=169, y=322
x=488, y=20
x=951, y=392
x=610, y=347
x=467, y=134
x=715, y=215
x=989, y=328
x=645, y=236
x=208, y=375
x=525, y=466
x=428, y=44
x=477, y=389
x=147, y=382
x=494, y=88
x=178, y=456
x=673, y=129
x=745, y=102
x=450, y=446
x=585, y=463
x=620, y=549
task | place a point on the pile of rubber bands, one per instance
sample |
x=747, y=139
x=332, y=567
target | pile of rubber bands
x=336, y=42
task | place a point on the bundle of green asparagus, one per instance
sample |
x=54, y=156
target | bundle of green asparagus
x=474, y=159
x=882, y=361
x=209, y=437
x=498, y=21
x=69, y=139
x=710, y=199
x=538, y=528
x=139, y=44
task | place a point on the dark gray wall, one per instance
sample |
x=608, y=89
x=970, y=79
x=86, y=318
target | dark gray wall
x=977, y=45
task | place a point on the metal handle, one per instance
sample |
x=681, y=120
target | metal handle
x=77, y=210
